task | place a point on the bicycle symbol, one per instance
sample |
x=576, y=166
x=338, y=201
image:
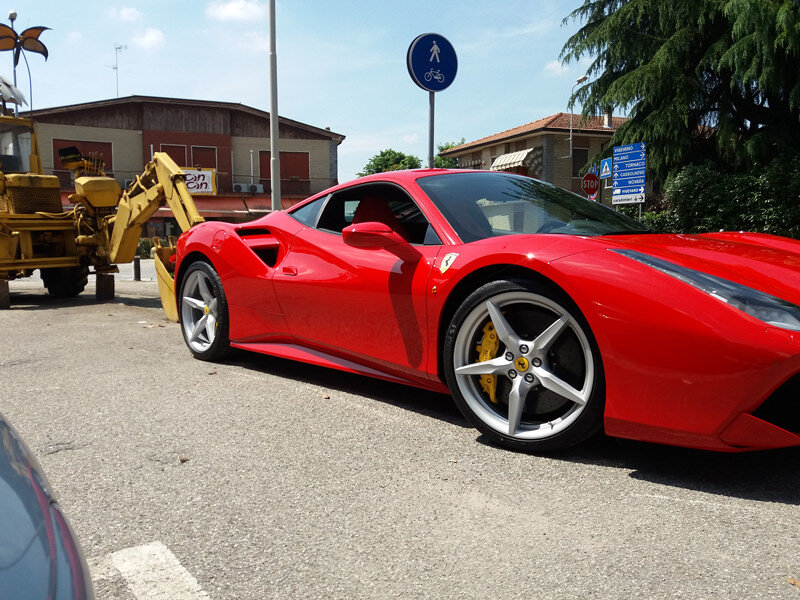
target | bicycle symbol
x=434, y=74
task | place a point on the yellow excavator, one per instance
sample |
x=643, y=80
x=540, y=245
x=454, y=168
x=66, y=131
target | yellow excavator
x=102, y=229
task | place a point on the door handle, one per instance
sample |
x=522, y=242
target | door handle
x=292, y=271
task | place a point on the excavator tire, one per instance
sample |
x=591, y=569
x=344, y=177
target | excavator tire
x=65, y=282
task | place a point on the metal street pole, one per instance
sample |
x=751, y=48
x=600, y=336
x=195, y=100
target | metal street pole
x=571, y=108
x=12, y=16
x=275, y=159
x=430, y=130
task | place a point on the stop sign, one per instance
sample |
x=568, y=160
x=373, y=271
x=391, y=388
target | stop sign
x=590, y=184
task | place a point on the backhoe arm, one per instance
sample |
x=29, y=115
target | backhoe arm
x=162, y=182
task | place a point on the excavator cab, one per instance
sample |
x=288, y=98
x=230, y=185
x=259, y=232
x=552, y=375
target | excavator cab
x=15, y=146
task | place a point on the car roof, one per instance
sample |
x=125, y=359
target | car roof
x=408, y=175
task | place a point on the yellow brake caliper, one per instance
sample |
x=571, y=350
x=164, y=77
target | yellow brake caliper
x=487, y=350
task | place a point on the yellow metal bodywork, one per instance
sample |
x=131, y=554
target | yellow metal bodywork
x=166, y=278
x=35, y=160
x=100, y=192
x=31, y=180
x=35, y=233
x=162, y=181
x=487, y=350
x=104, y=226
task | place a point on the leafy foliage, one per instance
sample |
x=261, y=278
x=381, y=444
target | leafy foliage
x=441, y=162
x=145, y=247
x=704, y=80
x=390, y=160
x=702, y=198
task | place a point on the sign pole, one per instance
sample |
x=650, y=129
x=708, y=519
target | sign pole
x=432, y=64
x=431, y=96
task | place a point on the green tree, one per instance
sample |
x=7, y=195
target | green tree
x=390, y=160
x=703, y=80
x=441, y=162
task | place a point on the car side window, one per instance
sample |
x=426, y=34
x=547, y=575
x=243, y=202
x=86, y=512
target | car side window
x=307, y=214
x=384, y=203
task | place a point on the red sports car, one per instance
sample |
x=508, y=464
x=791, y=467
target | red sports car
x=546, y=316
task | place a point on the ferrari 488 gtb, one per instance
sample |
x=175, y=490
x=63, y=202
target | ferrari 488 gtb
x=547, y=317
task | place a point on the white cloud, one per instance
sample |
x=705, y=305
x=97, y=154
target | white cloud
x=410, y=138
x=126, y=13
x=151, y=39
x=555, y=68
x=74, y=37
x=129, y=13
x=236, y=10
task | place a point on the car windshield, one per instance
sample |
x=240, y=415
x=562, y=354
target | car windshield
x=482, y=205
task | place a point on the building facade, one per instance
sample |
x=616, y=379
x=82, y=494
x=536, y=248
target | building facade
x=541, y=149
x=227, y=143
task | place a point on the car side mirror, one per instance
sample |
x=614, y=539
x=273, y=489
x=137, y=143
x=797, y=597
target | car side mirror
x=372, y=235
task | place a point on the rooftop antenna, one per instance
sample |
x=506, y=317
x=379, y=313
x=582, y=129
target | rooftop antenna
x=117, y=49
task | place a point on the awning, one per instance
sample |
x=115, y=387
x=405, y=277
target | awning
x=522, y=158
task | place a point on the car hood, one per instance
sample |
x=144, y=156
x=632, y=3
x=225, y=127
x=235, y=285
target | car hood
x=764, y=262
x=39, y=558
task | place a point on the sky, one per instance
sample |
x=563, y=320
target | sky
x=340, y=64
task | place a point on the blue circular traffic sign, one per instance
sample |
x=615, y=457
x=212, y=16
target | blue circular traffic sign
x=432, y=62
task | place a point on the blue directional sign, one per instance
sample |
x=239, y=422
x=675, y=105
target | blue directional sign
x=629, y=173
x=432, y=62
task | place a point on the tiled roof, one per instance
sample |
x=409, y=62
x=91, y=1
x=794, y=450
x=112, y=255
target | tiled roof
x=559, y=121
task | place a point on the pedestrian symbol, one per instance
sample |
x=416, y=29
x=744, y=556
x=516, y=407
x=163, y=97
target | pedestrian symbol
x=434, y=52
x=605, y=168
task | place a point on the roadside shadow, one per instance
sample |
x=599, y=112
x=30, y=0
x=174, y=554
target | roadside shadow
x=764, y=476
x=33, y=301
x=432, y=404
x=139, y=301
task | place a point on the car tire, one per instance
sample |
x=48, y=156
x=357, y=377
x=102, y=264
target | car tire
x=203, y=312
x=524, y=368
x=65, y=282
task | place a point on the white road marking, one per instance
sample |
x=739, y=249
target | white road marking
x=151, y=571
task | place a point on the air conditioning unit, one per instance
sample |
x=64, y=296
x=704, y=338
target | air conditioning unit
x=248, y=188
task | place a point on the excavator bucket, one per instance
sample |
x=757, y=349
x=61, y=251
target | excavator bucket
x=166, y=287
x=166, y=280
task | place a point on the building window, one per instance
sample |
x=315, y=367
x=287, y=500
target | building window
x=295, y=172
x=176, y=152
x=204, y=157
x=580, y=156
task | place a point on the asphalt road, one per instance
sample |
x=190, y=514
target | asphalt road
x=262, y=478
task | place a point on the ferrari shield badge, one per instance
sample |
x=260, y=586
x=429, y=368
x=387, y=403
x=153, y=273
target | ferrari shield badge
x=447, y=261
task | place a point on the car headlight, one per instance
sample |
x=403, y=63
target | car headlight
x=766, y=308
